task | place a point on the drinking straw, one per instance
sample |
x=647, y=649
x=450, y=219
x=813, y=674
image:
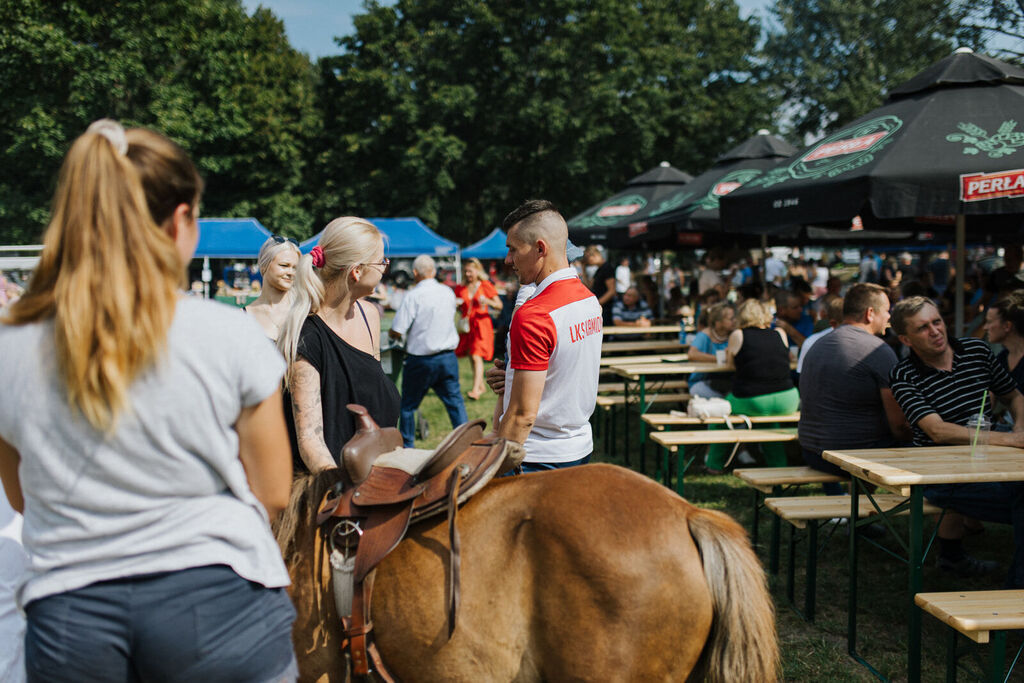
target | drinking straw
x=977, y=426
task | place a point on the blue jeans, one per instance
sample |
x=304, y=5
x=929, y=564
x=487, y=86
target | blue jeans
x=439, y=372
x=545, y=466
x=1000, y=502
x=201, y=624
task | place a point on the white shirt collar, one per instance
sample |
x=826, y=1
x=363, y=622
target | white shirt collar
x=562, y=274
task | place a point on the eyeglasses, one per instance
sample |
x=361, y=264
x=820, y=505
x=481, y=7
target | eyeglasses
x=385, y=263
x=280, y=239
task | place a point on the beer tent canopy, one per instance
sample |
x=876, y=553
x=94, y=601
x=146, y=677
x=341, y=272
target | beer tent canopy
x=490, y=247
x=405, y=238
x=230, y=238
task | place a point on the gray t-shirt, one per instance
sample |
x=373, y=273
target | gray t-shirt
x=166, y=490
x=840, y=391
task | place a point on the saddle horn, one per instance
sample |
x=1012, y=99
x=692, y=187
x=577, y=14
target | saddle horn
x=369, y=441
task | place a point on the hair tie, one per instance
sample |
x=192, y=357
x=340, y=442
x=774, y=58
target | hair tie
x=112, y=131
x=318, y=256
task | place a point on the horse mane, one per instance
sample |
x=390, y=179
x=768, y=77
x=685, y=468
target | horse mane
x=308, y=491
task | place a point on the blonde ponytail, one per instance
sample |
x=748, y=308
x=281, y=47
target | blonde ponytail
x=108, y=276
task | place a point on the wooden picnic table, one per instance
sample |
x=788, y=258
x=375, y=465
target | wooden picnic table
x=906, y=471
x=607, y=361
x=638, y=374
x=612, y=330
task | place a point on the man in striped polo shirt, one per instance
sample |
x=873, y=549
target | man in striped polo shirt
x=939, y=387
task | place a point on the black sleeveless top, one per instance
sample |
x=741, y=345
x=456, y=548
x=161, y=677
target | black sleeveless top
x=347, y=375
x=762, y=365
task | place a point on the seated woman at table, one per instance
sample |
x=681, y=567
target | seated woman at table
x=762, y=384
x=705, y=347
x=1004, y=323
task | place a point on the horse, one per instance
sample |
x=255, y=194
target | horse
x=590, y=573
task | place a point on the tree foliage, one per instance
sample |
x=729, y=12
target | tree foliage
x=226, y=86
x=457, y=110
x=834, y=60
x=1002, y=24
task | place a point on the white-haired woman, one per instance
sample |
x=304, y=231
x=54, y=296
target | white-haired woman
x=277, y=260
x=331, y=341
x=141, y=434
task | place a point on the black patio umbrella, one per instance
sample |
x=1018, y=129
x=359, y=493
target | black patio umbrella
x=608, y=222
x=731, y=170
x=941, y=151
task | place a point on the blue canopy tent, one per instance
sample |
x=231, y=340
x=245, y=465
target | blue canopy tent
x=406, y=238
x=230, y=238
x=490, y=247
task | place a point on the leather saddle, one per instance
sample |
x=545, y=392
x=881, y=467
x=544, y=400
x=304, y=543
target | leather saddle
x=386, y=488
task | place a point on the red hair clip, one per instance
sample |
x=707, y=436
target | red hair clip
x=318, y=256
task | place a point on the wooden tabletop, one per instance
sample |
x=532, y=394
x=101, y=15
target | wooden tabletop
x=643, y=345
x=662, y=420
x=643, y=360
x=673, y=440
x=901, y=468
x=631, y=371
x=630, y=329
x=975, y=613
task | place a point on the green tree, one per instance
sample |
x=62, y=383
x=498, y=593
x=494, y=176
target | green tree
x=457, y=111
x=227, y=86
x=1002, y=24
x=834, y=60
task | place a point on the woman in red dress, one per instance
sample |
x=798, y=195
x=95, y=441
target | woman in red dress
x=473, y=297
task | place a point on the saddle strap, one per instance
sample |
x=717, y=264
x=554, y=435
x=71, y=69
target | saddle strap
x=454, y=546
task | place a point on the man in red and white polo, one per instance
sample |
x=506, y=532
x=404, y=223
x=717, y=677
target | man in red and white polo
x=555, y=345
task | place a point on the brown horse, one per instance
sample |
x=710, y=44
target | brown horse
x=591, y=573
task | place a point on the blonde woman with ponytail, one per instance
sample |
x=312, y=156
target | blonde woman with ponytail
x=331, y=341
x=141, y=435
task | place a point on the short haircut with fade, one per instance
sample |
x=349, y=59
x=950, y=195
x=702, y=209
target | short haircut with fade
x=528, y=213
x=860, y=298
x=907, y=309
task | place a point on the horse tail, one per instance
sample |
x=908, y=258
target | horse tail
x=742, y=645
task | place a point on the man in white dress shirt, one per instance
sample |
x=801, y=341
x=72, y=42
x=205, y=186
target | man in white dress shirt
x=426, y=318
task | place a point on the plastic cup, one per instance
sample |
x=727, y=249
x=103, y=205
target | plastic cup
x=979, y=431
x=720, y=357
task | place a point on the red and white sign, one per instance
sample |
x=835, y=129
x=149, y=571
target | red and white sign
x=857, y=223
x=637, y=229
x=619, y=210
x=722, y=189
x=834, y=149
x=977, y=187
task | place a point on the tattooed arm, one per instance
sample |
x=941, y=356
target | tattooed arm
x=309, y=417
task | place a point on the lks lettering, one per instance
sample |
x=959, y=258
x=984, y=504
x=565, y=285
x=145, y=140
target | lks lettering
x=581, y=330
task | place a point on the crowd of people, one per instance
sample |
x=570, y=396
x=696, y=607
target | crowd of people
x=150, y=438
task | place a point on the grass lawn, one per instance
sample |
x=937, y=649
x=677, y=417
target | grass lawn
x=817, y=652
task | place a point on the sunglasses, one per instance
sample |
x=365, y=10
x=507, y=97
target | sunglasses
x=385, y=263
x=281, y=239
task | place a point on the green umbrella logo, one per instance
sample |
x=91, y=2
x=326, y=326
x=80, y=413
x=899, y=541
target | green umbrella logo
x=1003, y=143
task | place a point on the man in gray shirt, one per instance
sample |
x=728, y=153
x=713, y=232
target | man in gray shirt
x=844, y=387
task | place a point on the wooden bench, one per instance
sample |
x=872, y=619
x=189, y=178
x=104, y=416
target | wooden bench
x=654, y=388
x=671, y=441
x=652, y=345
x=776, y=482
x=642, y=360
x=806, y=512
x=661, y=421
x=982, y=616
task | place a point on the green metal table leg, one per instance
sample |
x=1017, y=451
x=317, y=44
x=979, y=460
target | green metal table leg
x=625, y=420
x=915, y=563
x=951, y=656
x=791, y=569
x=851, y=628
x=997, y=661
x=643, y=427
x=811, y=573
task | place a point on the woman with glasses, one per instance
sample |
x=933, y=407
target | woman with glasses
x=331, y=341
x=277, y=260
x=142, y=437
x=474, y=295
